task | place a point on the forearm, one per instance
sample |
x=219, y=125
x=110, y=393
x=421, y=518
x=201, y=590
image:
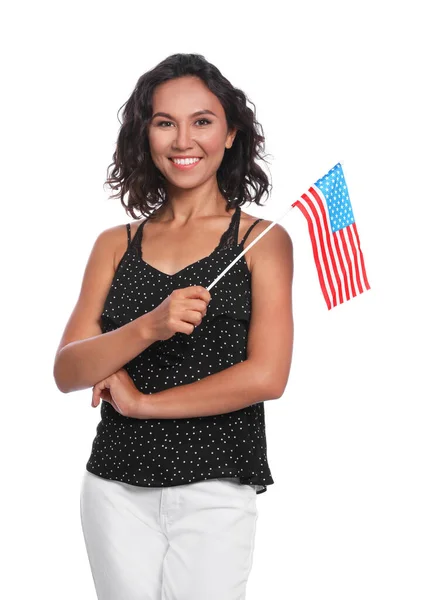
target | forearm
x=229, y=390
x=82, y=364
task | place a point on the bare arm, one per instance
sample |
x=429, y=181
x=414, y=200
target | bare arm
x=83, y=363
x=85, y=356
x=229, y=390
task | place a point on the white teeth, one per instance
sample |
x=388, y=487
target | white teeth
x=185, y=161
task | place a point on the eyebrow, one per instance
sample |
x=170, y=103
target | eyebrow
x=198, y=112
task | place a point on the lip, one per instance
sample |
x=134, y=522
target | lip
x=187, y=167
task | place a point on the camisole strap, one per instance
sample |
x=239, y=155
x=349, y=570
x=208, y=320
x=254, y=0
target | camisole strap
x=249, y=231
x=229, y=237
x=128, y=235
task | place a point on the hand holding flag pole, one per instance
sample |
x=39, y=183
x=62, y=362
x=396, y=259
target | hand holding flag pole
x=334, y=236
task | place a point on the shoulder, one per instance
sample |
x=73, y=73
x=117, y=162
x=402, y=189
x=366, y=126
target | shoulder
x=275, y=245
x=115, y=239
x=113, y=236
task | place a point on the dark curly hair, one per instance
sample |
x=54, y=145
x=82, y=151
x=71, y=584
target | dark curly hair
x=133, y=168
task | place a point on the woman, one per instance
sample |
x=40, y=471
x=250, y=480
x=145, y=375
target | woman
x=168, y=497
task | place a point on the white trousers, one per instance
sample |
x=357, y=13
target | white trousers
x=185, y=542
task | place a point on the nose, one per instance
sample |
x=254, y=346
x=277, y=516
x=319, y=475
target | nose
x=183, y=138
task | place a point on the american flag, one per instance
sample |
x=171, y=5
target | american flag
x=335, y=242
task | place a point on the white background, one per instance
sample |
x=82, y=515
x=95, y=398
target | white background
x=348, y=443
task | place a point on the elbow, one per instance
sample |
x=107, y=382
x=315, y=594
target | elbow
x=274, y=385
x=58, y=382
x=276, y=390
x=267, y=382
x=58, y=375
x=277, y=377
x=62, y=390
x=272, y=388
x=273, y=375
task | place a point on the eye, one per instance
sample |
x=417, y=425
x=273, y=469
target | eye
x=160, y=123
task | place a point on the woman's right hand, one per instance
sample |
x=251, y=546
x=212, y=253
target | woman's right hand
x=179, y=312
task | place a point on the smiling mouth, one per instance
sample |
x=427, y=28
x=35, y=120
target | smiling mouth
x=199, y=157
x=186, y=166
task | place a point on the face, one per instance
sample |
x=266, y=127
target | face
x=180, y=133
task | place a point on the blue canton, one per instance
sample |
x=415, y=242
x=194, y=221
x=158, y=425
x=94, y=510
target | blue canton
x=335, y=191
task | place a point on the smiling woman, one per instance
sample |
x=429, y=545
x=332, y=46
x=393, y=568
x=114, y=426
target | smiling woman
x=189, y=110
x=181, y=375
x=187, y=144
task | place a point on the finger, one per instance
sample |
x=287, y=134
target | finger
x=116, y=407
x=94, y=397
x=97, y=390
x=194, y=317
x=112, y=403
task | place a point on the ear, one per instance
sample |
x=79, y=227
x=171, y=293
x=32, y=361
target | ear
x=230, y=138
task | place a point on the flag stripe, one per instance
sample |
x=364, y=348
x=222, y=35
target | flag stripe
x=318, y=242
x=363, y=268
x=348, y=260
x=315, y=251
x=334, y=267
x=322, y=239
x=354, y=255
x=342, y=266
x=358, y=271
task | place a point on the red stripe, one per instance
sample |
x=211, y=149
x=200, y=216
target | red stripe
x=314, y=211
x=354, y=254
x=342, y=266
x=327, y=228
x=315, y=251
x=348, y=259
x=363, y=268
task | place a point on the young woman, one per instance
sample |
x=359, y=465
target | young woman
x=168, y=497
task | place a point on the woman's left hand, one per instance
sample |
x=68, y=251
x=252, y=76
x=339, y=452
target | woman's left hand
x=119, y=390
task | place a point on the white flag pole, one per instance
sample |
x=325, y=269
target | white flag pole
x=247, y=248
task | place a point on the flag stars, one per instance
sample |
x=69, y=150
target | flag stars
x=335, y=191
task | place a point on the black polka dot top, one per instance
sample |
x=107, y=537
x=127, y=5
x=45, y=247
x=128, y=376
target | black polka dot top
x=169, y=452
